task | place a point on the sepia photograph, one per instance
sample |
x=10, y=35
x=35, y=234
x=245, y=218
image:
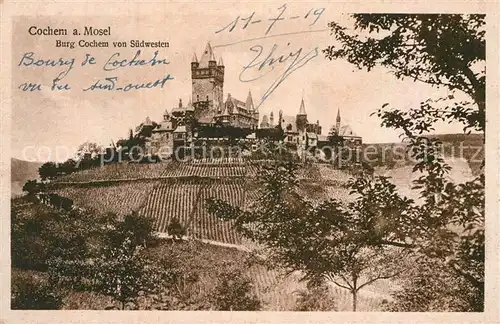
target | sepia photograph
x=227, y=157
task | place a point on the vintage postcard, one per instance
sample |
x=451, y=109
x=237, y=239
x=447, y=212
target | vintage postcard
x=249, y=162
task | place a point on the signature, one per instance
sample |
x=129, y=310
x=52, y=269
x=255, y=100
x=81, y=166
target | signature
x=262, y=64
x=111, y=84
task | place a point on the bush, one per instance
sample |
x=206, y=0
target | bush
x=32, y=293
x=233, y=291
x=176, y=229
x=315, y=298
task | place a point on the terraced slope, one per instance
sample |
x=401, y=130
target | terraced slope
x=120, y=198
x=180, y=190
x=206, y=226
x=169, y=200
x=116, y=171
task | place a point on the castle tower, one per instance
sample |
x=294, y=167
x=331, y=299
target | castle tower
x=301, y=119
x=207, y=80
x=271, y=119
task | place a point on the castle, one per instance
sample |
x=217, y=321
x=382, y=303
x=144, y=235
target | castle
x=206, y=109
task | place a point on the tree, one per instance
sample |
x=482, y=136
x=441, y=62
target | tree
x=48, y=170
x=326, y=241
x=447, y=51
x=124, y=273
x=176, y=229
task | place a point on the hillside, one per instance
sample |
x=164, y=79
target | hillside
x=180, y=190
x=20, y=172
x=163, y=191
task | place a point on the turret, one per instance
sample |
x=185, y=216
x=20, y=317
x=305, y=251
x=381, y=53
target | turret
x=249, y=102
x=271, y=119
x=212, y=62
x=194, y=62
x=264, y=123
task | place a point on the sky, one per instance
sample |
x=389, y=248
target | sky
x=44, y=120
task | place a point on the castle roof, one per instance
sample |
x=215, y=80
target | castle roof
x=346, y=130
x=195, y=58
x=165, y=126
x=208, y=55
x=234, y=105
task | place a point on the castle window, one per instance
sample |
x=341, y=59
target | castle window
x=290, y=138
x=197, y=97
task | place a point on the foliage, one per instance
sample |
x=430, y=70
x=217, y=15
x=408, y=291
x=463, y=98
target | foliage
x=326, y=240
x=233, y=291
x=315, y=298
x=136, y=228
x=48, y=170
x=428, y=286
x=123, y=273
x=447, y=51
x=32, y=187
x=32, y=293
x=176, y=229
x=439, y=49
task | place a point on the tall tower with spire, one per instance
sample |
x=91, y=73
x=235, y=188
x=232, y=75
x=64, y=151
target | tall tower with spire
x=208, y=81
x=301, y=118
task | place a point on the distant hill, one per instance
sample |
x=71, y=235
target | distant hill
x=469, y=147
x=20, y=172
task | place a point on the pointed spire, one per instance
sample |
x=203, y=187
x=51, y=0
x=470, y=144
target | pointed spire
x=249, y=103
x=271, y=119
x=226, y=112
x=338, y=115
x=189, y=106
x=221, y=63
x=208, y=55
x=302, y=110
x=195, y=58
